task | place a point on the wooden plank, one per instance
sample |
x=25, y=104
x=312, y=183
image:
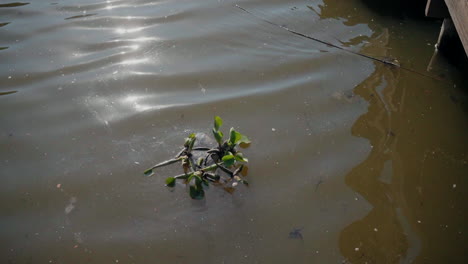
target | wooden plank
x=437, y=9
x=459, y=12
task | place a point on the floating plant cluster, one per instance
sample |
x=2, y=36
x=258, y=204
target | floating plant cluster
x=219, y=165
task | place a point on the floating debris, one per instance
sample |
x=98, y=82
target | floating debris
x=296, y=233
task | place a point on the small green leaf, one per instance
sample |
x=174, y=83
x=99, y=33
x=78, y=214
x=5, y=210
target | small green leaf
x=218, y=122
x=244, y=140
x=196, y=194
x=198, y=182
x=229, y=160
x=170, y=182
x=234, y=136
x=200, y=161
x=148, y=172
x=228, y=157
x=190, y=177
x=240, y=157
x=191, y=143
x=218, y=136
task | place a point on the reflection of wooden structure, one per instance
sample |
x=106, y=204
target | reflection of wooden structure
x=455, y=14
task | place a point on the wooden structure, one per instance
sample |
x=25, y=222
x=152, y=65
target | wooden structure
x=455, y=14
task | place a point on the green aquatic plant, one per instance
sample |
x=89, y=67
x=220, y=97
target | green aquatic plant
x=219, y=165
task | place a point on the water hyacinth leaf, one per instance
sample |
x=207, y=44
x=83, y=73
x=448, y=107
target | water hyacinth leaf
x=200, y=161
x=240, y=157
x=192, y=142
x=229, y=160
x=170, y=182
x=198, y=182
x=196, y=194
x=190, y=177
x=218, y=122
x=234, y=136
x=218, y=136
x=197, y=178
x=244, y=140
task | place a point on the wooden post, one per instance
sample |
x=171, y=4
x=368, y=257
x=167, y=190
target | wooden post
x=458, y=10
x=437, y=9
x=455, y=25
x=448, y=35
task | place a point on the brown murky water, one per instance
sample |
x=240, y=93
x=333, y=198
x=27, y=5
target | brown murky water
x=369, y=160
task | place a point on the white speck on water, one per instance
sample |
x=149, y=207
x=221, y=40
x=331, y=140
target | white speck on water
x=419, y=221
x=375, y=229
x=273, y=129
x=202, y=89
x=71, y=205
x=137, y=163
x=356, y=249
x=9, y=77
x=454, y=186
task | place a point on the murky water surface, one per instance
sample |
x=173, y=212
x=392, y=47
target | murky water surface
x=367, y=162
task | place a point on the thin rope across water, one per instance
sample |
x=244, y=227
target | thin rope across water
x=392, y=63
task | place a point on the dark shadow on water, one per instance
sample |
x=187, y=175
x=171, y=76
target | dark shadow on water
x=15, y=4
x=80, y=16
x=7, y=93
x=398, y=8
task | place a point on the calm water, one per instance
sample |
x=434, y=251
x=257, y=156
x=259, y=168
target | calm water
x=369, y=160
